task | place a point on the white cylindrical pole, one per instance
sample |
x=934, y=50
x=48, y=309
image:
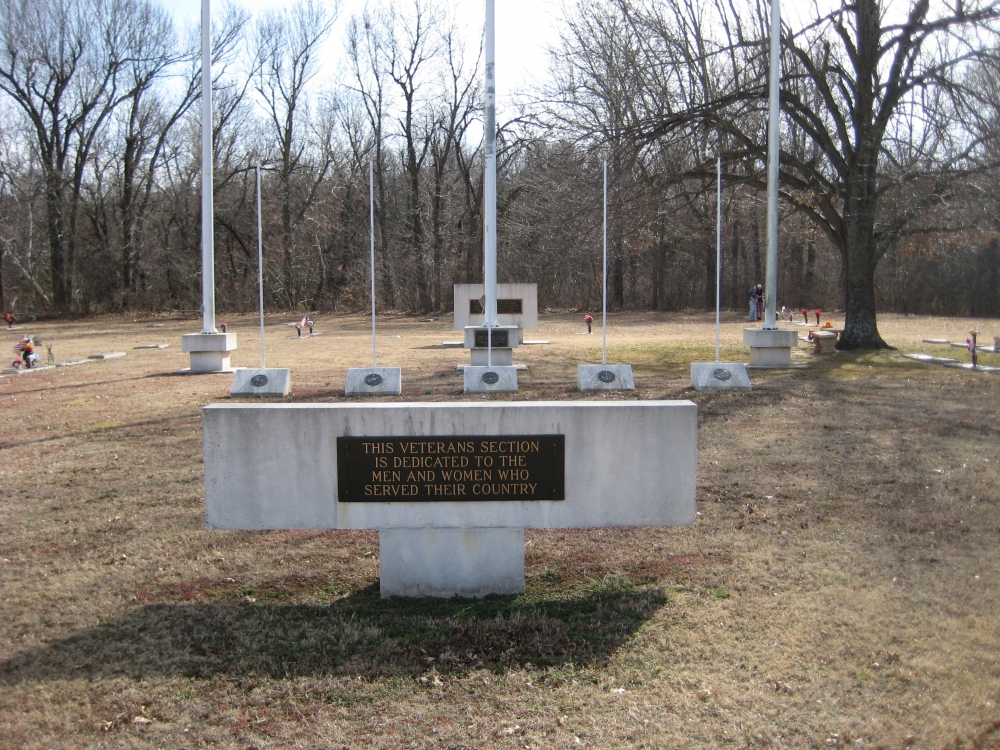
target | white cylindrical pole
x=207, y=211
x=604, y=295
x=718, y=258
x=771, y=269
x=490, y=176
x=260, y=270
x=371, y=246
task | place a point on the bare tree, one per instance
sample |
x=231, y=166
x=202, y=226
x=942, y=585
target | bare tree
x=859, y=82
x=286, y=44
x=62, y=64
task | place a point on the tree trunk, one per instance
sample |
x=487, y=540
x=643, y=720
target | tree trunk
x=61, y=298
x=860, y=326
x=808, y=278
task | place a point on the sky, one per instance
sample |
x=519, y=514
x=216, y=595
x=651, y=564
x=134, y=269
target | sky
x=525, y=29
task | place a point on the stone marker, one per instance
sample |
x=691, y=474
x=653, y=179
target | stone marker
x=496, y=379
x=374, y=381
x=931, y=359
x=210, y=352
x=273, y=382
x=107, y=355
x=450, y=486
x=824, y=342
x=25, y=370
x=943, y=342
x=720, y=376
x=151, y=346
x=770, y=347
x=604, y=378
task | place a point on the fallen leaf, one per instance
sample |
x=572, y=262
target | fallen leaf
x=141, y=720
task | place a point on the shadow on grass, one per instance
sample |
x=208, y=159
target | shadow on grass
x=358, y=635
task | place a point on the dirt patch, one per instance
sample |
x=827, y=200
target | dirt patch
x=839, y=587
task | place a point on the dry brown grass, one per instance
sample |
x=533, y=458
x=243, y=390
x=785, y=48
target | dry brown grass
x=840, y=586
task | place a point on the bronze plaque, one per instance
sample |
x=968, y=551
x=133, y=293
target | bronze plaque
x=499, y=338
x=504, y=307
x=464, y=467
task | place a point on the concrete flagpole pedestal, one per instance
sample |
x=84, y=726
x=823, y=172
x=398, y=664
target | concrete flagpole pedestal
x=210, y=350
x=374, y=380
x=492, y=348
x=604, y=377
x=771, y=347
x=719, y=376
x=262, y=382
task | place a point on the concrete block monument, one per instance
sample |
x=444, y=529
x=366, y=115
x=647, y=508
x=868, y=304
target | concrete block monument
x=210, y=352
x=770, y=347
x=720, y=376
x=450, y=486
x=605, y=378
x=483, y=379
x=374, y=381
x=274, y=382
x=517, y=306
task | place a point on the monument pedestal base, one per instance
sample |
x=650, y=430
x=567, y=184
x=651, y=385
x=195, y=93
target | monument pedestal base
x=451, y=562
x=374, y=381
x=275, y=382
x=501, y=357
x=720, y=376
x=604, y=378
x=489, y=379
x=770, y=347
x=210, y=352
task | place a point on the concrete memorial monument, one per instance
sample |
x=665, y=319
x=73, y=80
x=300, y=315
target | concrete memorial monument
x=450, y=487
x=604, y=377
x=374, y=380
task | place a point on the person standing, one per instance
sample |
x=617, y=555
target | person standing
x=589, y=320
x=753, y=303
x=760, y=302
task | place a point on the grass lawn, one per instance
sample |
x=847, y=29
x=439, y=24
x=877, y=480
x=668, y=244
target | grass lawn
x=840, y=587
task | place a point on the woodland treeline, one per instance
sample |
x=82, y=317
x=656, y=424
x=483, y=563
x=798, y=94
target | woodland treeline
x=889, y=171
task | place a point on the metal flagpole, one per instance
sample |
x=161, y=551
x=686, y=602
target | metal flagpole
x=207, y=212
x=718, y=258
x=771, y=271
x=490, y=183
x=260, y=270
x=604, y=303
x=371, y=223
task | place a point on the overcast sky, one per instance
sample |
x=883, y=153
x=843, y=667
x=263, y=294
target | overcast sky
x=525, y=28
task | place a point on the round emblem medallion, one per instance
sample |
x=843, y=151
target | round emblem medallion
x=721, y=373
x=373, y=379
x=490, y=378
x=258, y=381
x=606, y=376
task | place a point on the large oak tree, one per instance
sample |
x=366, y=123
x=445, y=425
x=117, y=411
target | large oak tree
x=879, y=120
